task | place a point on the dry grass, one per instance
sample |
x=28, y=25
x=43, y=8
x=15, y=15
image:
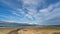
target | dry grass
x=29, y=31
x=6, y=30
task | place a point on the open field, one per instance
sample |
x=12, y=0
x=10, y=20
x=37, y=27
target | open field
x=6, y=30
x=30, y=31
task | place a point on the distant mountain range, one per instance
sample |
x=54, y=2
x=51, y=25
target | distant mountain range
x=5, y=24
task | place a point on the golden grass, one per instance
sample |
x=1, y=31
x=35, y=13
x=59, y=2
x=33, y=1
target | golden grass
x=29, y=30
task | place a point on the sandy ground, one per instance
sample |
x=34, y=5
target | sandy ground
x=6, y=30
x=29, y=31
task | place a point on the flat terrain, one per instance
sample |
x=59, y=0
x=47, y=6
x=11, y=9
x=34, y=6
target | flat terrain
x=6, y=30
x=29, y=31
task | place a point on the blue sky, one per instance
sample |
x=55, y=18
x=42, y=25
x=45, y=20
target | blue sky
x=42, y=12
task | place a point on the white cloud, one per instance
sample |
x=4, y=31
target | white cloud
x=32, y=3
x=10, y=21
x=32, y=11
x=48, y=13
x=21, y=11
x=16, y=14
x=45, y=11
x=29, y=16
x=10, y=4
x=7, y=3
x=54, y=13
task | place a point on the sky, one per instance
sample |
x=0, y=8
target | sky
x=40, y=12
